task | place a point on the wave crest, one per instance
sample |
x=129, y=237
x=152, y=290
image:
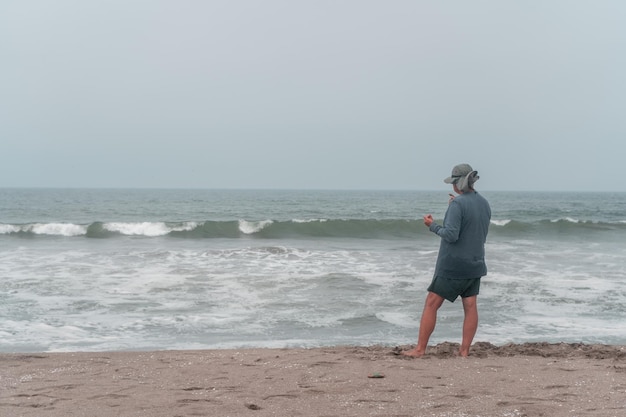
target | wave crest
x=54, y=229
x=149, y=229
x=250, y=228
x=297, y=228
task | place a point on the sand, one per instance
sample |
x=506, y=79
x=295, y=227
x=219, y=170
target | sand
x=533, y=379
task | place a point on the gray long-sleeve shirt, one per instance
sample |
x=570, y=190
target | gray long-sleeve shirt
x=463, y=236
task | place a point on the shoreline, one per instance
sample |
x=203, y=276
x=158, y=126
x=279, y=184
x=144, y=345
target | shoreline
x=529, y=379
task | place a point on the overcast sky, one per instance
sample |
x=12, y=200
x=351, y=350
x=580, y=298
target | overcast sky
x=312, y=94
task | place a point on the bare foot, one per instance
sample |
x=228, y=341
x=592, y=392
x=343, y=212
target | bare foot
x=463, y=354
x=413, y=353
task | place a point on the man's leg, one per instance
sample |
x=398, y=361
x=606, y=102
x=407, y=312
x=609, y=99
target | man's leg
x=427, y=324
x=470, y=324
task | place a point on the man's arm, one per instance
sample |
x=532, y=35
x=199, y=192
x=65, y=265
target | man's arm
x=452, y=226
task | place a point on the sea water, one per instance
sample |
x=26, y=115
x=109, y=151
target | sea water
x=96, y=269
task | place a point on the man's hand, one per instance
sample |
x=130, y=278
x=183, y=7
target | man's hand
x=428, y=220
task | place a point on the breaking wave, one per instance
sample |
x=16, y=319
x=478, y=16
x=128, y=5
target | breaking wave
x=271, y=229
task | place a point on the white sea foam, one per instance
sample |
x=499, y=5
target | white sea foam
x=150, y=229
x=567, y=219
x=58, y=229
x=138, y=229
x=6, y=229
x=249, y=227
x=185, y=227
x=397, y=318
x=501, y=222
x=137, y=296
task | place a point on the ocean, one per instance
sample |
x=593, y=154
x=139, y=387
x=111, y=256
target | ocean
x=148, y=269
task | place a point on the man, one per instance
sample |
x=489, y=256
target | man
x=461, y=259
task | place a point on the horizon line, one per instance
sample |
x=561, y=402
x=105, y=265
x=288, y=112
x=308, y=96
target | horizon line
x=5, y=187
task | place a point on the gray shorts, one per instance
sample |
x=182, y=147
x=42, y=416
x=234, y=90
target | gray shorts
x=450, y=289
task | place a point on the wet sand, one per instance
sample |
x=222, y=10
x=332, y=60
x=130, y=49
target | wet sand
x=532, y=379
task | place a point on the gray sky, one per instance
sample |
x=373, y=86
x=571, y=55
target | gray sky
x=312, y=94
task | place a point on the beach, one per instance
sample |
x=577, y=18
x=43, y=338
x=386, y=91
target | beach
x=529, y=379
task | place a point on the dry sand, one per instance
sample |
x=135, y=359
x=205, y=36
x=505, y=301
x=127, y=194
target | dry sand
x=534, y=379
